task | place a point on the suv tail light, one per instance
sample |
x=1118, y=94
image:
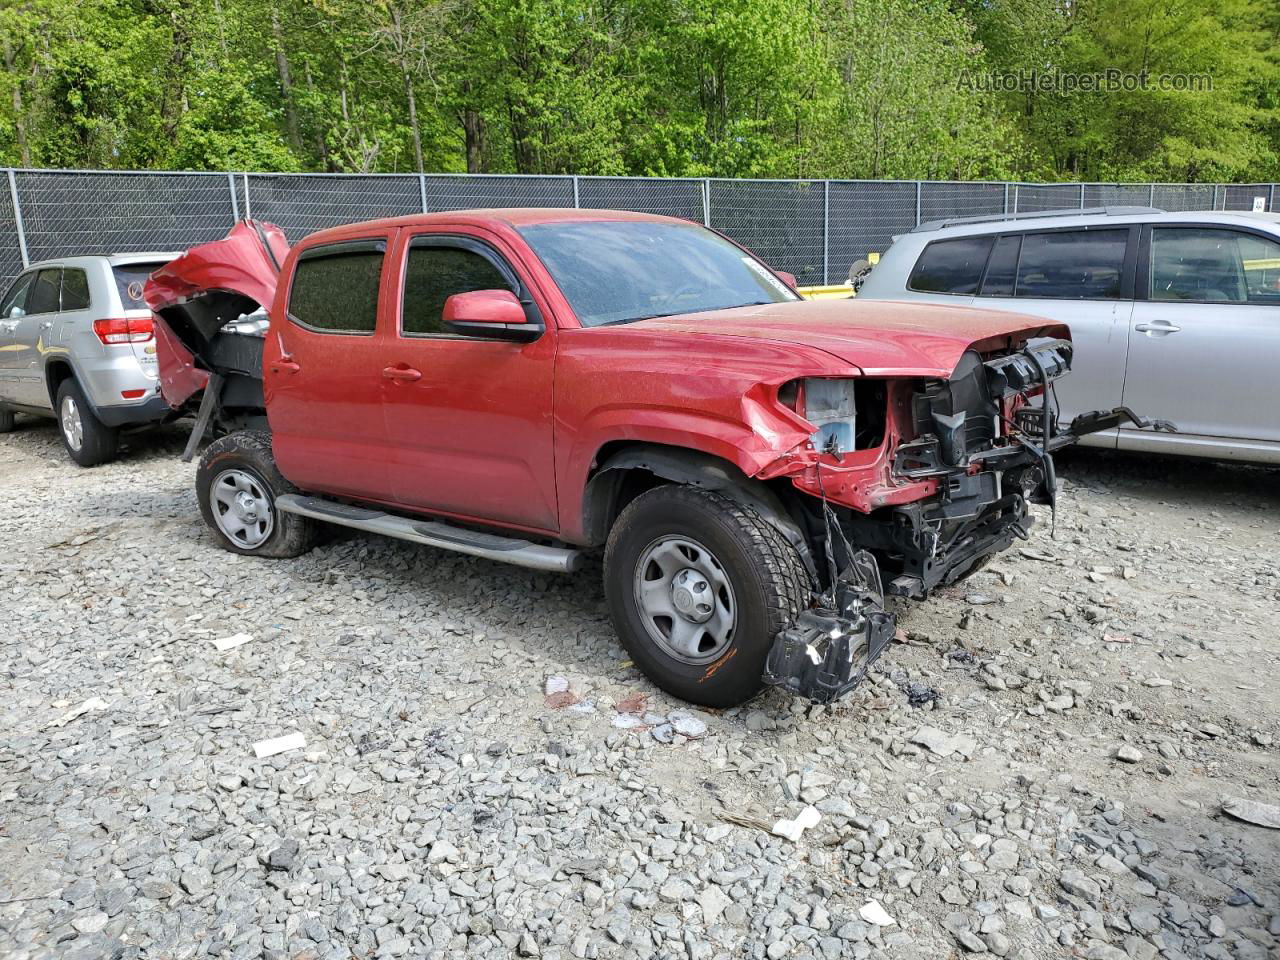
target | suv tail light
x=124, y=330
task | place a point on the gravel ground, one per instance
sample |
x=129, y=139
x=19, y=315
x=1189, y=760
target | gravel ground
x=1037, y=770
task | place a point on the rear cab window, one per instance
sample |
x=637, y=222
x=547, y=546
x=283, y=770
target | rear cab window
x=130, y=278
x=335, y=287
x=951, y=266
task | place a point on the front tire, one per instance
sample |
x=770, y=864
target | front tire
x=237, y=485
x=88, y=440
x=698, y=587
x=6, y=420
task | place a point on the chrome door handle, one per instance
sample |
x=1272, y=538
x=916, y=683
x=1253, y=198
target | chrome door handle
x=1157, y=326
x=46, y=325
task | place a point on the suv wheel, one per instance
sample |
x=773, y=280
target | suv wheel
x=6, y=420
x=88, y=440
x=237, y=485
x=698, y=587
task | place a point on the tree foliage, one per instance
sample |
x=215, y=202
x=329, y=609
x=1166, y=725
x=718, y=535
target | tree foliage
x=772, y=88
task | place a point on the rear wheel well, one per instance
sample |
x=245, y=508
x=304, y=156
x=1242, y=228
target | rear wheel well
x=625, y=469
x=54, y=374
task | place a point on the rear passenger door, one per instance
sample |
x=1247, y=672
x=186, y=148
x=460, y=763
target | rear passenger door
x=12, y=309
x=1082, y=277
x=1204, y=347
x=322, y=371
x=32, y=335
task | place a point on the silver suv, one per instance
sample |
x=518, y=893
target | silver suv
x=1173, y=314
x=76, y=343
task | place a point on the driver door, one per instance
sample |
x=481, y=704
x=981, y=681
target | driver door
x=468, y=419
x=1204, y=344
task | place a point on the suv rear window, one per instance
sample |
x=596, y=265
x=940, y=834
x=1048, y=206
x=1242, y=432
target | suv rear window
x=1072, y=264
x=951, y=266
x=129, y=280
x=335, y=288
x=75, y=289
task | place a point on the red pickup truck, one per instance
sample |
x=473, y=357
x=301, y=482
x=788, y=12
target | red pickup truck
x=526, y=385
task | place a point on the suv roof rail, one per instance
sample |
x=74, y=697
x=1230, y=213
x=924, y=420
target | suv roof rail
x=1036, y=215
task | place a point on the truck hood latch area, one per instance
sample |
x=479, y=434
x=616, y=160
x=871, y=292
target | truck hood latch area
x=827, y=650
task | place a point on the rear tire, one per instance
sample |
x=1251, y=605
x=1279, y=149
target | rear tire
x=237, y=484
x=677, y=548
x=6, y=420
x=88, y=440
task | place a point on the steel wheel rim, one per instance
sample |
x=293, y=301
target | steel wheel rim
x=242, y=508
x=685, y=600
x=72, y=425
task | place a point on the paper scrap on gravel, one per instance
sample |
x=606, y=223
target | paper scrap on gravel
x=93, y=703
x=792, y=829
x=269, y=748
x=1251, y=811
x=229, y=643
x=872, y=912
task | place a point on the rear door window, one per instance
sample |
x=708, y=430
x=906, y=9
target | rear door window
x=435, y=273
x=16, y=298
x=951, y=266
x=1002, y=268
x=75, y=289
x=1072, y=264
x=45, y=293
x=335, y=287
x=130, y=278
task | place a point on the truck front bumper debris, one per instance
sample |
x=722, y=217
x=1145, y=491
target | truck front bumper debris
x=828, y=649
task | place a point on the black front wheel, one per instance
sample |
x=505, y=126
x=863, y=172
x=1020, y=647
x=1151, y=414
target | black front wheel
x=698, y=586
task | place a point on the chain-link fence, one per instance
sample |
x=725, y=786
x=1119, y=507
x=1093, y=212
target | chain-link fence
x=813, y=228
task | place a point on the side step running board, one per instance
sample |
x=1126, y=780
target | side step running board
x=433, y=533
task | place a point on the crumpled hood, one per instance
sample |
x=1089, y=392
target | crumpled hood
x=880, y=338
x=245, y=262
x=196, y=295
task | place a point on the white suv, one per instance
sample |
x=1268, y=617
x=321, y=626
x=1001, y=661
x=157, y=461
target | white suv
x=1176, y=315
x=77, y=344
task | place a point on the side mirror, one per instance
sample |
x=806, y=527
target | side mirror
x=788, y=278
x=17, y=312
x=490, y=314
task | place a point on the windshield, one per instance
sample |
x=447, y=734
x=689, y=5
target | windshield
x=615, y=271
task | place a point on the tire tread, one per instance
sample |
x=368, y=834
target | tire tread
x=294, y=535
x=787, y=582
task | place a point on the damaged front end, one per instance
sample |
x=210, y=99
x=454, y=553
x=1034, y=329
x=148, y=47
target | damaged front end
x=829, y=648
x=210, y=305
x=948, y=487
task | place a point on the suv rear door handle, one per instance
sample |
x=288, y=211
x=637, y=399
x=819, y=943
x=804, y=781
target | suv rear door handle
x=1159, y=327
x=285, y=365
x=401, y=372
